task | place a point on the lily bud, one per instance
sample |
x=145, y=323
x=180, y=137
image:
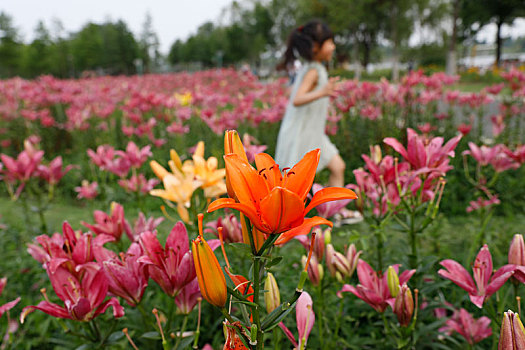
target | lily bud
x=209, y=273
x=272, y=297
x=352, y=255
x=392, y=281
x=233, y=144
x=512, y=336
x=517, y=251
x=319, y=245
x=375, y=154
x=158, y=169
x=404, y=305
x=330, y=253
x=315, y=270
x=328, y=235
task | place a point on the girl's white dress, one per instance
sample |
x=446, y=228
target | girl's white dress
x=303, y=127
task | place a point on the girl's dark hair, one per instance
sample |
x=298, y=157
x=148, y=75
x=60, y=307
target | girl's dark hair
x=301, y=41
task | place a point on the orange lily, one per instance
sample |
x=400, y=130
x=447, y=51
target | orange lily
x=212, y=282
x=233, y=339
x=275, y=202
x=233, y=145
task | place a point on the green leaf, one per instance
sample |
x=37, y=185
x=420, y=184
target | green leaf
x=151, y=335
x=274, y=261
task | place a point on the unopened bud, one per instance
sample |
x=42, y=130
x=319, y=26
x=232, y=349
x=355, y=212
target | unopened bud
x=512, y=334
x=517, y=251
x=328, y=235
x=404, y=306
x=392, y=281
x=272, y=297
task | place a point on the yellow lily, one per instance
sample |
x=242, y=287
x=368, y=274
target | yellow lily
x=178, y=187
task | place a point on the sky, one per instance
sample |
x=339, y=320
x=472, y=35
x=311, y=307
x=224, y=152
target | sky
x=172, y=19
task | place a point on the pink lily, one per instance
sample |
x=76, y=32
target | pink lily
x=171, y=267
x=473, y=330
x=138, y=184
x=87, y=190
x=23, y=167
x=142, y=225
x=482, y=203
x=119, y=166
x=482, y=271
x=113, y=225
x=518, y=155
x=83, y=297
x=251, y=149
x=7, y=306
x=422, y=155
x=69, y=249
x=373, y=288
x=53, y=172
x=319, y=242
x=126, y=277
x=305, y=317
x=102, y=157
x=329, y=209
x=135, y=156
x=231, y=228
x=187, y=298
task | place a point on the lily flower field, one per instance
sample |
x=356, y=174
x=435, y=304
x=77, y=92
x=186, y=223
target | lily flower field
x=148, y=212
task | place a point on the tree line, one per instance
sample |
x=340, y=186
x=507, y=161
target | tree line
x=253, y=29
x=107, y=48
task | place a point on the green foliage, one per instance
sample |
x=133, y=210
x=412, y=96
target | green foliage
x=110, y=47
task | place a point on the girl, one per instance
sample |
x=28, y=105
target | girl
x=303, y=125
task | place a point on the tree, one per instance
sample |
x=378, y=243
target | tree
x=482, y=12
x=109, y=47
x=10, y=47
x=149, y=45
x=37, y=58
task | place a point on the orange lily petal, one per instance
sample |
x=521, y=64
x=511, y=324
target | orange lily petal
x=300, y=178
x=233, y=144
x=258, y=236
x=303, y=229
x=248, y=185
x=281, y=210
x=328, y=194
x=231, y=203
x=272, y=174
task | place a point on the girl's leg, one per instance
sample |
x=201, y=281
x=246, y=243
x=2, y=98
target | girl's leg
x=337, y=171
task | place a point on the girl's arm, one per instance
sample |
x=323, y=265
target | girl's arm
x=305, y=93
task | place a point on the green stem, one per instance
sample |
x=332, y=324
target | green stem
x=276, y=339
x=320, y=313
x=379, y=247
x=106, y=336
x=182, y=329
x=255, y=309
x=413, y=242
x=337, y=323
x=480, y=237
